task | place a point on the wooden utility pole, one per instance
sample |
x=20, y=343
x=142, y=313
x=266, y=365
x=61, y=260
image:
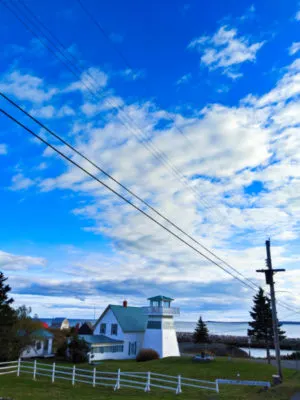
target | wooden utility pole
x=269, y=273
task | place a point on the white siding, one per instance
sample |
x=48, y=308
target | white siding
x=33, y=351
x=109, y=319
x=133, y=337
x=163, y=340
x=130, y=337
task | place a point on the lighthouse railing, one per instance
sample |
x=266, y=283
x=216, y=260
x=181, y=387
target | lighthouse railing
x=161, y=310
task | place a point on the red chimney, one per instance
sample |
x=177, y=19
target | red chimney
x=125, y=303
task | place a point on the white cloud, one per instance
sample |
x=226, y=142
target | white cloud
x=297, y=16
x=66, y=111
x=3, y=149
x=295, y=47
x=20, y=182
x=43, y=112
x=92, y=79
x=90, y=109
x=184, y=79
x=286, y=88
x=228, y=148
x=249, y=14
x=49, y=112
x=225, y=50
x=13, y=262
x=42, y=166
x=233, y=75
x=133, y=74
x=26, y=87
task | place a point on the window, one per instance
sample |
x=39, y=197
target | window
x=103, y=329
x=132, y=348
x=114, y=329
x=117, y=348
x=154, y=325
x=38, y=345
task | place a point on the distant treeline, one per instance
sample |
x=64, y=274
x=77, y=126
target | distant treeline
x=240, y=341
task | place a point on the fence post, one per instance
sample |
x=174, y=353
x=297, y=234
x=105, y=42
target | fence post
x=147, y=388
x=217, y=386
x=34, y=370
x=19, y=367
x=73, y=375
x=94, y=377
x=178, y=390
x=53, y=372
x=117, y=385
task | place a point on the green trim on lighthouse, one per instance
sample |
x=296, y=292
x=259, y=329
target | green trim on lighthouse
x=160, y=298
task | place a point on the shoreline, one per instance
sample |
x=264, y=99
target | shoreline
x=240, y=341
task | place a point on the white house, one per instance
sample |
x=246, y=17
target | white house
x=42, y=345
x=121, y=331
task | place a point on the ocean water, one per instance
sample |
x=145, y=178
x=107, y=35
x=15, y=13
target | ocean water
x=261, y=353
x=216, y=328
x=234, y=328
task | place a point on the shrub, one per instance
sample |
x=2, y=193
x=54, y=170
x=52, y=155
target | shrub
x=62, y=350
x=147, y=355
x=77, y=350
x=293, y=356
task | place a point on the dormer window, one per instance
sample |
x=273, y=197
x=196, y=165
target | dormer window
x=103, y=329
x=114, y=329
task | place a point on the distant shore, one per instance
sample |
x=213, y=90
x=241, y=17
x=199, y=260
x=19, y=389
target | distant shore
x=240, y=341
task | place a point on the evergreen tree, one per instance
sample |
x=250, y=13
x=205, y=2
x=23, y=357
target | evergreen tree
x=78, y=349
x=201, y=334
x=261, y=326
x=5, y=301
x=7, y=319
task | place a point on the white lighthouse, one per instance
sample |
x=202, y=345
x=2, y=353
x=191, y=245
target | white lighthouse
x=160, y=333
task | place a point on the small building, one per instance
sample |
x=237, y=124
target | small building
x=42, y=345
x=121, y=331
x=86, y=329
x=60, y=323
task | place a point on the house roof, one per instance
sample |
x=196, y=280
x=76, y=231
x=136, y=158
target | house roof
x=99, y=339
x=160, y=298
x=131, y=319
x=43, y=333
x=39, y=333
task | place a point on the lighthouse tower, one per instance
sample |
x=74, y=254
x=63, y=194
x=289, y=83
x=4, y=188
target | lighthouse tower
x=160, y=333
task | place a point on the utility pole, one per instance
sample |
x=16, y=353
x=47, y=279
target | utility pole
x=269, y=274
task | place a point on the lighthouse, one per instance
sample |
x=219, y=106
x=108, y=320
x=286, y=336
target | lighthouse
x=160, y=333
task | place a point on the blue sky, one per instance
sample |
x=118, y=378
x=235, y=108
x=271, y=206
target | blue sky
x=214, y=91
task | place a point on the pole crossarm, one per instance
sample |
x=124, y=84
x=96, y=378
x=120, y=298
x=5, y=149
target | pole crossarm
x=273, y=270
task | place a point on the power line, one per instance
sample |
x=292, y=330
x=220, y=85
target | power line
x=97, y=95
x=120, y=54
x=121, y=196
x=104, y=33
x=158, y=154
x=121, y=185
x=130, y=192
x=254, y=285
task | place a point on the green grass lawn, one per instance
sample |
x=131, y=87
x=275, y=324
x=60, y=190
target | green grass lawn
x=24, y=388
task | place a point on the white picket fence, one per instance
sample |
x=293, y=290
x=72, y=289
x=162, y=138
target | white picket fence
x=137, y=380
